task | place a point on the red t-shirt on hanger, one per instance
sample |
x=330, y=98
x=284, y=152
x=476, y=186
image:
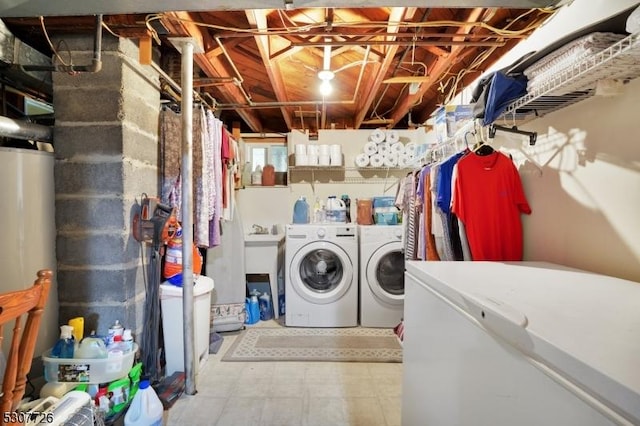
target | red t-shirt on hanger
x=489, y=199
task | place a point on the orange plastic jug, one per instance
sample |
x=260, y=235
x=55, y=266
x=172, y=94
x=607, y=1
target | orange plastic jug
x=364, y=211
x=268, y=175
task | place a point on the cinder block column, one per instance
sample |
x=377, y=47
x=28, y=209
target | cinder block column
x=106, y=147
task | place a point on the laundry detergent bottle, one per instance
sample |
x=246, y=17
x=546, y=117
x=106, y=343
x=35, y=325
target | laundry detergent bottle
x=264, y=302
x=145, y=409
x=301, y=211
x=252, y=309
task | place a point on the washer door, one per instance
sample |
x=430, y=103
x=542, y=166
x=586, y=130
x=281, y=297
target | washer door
x=321, y=272
x=385, y=273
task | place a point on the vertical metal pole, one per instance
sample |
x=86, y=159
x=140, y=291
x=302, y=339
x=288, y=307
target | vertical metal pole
x=187, y=217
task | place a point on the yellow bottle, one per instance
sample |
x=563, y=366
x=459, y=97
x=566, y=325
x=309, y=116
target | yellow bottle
x=78, y=328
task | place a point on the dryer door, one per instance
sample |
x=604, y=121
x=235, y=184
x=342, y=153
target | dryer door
x=385, y=273
x=321, y=272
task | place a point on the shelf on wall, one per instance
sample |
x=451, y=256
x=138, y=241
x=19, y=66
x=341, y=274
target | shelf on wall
x=620, y=61
x=344, y=174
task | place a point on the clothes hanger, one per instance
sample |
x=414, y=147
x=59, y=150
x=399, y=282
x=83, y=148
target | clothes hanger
x=482, y=147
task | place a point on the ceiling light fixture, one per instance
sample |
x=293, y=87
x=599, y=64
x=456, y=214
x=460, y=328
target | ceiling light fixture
x=326, y=75
x=288, y=5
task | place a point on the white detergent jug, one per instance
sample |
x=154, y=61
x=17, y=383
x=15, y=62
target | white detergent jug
x=336, y=210
x=145, y=409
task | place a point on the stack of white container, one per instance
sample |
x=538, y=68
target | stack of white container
x=318, y=155
x=384, y=149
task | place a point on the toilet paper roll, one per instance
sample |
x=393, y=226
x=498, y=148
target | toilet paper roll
x=300, y=149
x=335, y=160
x=384, y=148
x=397, y=148
x=335, y=149
x=362, y=160
x=313, y=150
x=392, y=136
x=377, y=136
x=376, y=160
x=391, y=160
x=312, y=160
x=370, y=148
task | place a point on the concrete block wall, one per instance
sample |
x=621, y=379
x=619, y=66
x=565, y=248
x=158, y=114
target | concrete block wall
x=106, y=148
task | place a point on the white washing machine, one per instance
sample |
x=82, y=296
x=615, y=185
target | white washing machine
x=381, y=275
x=321, y=280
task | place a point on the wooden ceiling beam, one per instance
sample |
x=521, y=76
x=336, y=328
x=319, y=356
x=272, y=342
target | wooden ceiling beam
x=179, y=26
x=370, y=90
x=438, y=70
x=258, y=19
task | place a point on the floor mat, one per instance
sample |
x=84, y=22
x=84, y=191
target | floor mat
x=355, y=344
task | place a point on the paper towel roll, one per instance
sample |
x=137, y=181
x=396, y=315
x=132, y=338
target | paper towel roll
x=302, y=160
x=377, y=136
x=410, y=148
x=402, y=160
x=370, y=148
x=300, y=149
x=392, y=136
x=323, y=150
x=391, y=160
x=362, y=160
x=384, y=148
x=324, y=160
x=376, y=160
x=397, y=148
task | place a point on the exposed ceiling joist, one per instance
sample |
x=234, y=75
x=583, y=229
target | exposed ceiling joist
x=258, y=19
x=442, y=65
x=397, y=15
x=212, y=66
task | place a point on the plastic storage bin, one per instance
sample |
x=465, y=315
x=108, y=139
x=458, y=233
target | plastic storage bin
x=172, y=322
x=85, y=370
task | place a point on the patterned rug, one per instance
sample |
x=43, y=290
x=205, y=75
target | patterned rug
x=315, y=344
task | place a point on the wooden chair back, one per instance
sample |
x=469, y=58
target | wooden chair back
x=24, y=308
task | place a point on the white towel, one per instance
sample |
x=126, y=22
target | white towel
x=362, y=160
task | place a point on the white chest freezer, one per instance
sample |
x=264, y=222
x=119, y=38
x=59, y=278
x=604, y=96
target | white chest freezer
x=522, y=343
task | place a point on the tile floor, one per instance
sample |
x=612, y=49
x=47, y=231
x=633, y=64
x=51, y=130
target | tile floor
x=291, y=393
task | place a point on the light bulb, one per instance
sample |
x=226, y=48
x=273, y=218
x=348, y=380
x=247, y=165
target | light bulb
x=325, y=88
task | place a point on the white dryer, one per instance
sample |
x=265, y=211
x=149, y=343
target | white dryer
x=381, y=275
x=321, y=280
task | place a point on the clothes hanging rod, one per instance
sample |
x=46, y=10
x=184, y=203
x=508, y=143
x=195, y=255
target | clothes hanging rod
x=177, y=87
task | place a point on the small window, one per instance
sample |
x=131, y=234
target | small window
x=260, y=152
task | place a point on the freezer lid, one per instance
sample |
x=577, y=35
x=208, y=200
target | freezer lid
x=583, y=326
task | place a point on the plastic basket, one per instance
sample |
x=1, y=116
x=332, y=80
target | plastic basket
x=79, y=370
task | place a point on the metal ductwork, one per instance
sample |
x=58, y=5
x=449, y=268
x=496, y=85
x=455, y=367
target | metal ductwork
x=23, y=130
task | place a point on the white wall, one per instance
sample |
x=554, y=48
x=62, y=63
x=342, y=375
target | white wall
x=584, y=185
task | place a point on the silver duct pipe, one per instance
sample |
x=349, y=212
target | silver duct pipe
x=187, y=217
x=23, y=130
